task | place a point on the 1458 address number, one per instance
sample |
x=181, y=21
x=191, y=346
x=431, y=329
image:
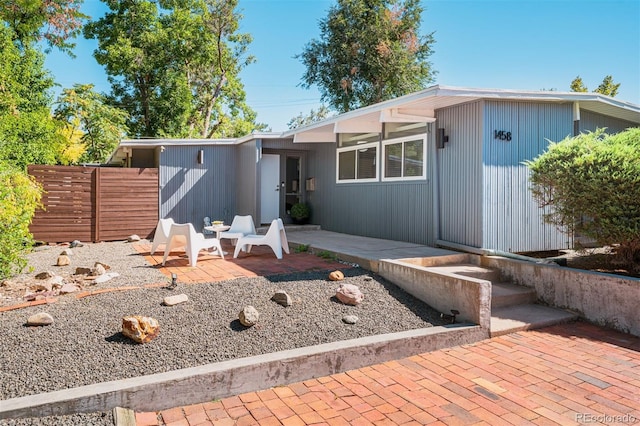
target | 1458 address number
x=503, y=135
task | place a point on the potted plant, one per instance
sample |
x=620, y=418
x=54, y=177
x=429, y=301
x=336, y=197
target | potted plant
x=300, y=212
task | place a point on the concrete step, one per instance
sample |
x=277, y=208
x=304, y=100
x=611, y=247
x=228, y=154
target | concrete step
x=468, y=270
x=507, y=294
x=510, y=319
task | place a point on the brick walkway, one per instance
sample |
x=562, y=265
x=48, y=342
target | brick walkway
x=210, y=267
x=566, y=374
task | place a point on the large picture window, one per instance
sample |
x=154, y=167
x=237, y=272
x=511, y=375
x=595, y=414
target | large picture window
x=404, y=158
x=358, y=163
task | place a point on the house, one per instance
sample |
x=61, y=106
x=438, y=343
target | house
x=443, y=166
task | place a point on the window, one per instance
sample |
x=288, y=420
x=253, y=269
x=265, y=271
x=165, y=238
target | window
x=404, y=158
x=358, y=163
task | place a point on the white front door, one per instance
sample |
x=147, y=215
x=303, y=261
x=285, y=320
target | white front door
x=269, y=187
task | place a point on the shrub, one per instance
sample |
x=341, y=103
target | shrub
x=590, y=185
x=19, y=197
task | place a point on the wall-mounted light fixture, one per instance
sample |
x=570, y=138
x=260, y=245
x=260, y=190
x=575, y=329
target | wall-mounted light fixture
x=441, y=138
x=200, y=157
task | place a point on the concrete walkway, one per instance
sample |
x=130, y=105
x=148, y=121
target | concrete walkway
x=572, y=373
x=566, y=374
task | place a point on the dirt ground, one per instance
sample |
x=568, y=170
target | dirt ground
x=600, y=259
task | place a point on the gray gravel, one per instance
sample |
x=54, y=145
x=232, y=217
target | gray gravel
x=85, y=344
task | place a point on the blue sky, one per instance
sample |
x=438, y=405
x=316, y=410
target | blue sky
x=505, y=44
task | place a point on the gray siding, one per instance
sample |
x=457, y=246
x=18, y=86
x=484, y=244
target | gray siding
x=459, y=166
x=190, y=191
x=590, y=121
x=400, y=211
x=245, y=179
x=512, y=219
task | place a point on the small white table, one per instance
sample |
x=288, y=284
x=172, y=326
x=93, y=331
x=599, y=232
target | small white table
x=217, y=229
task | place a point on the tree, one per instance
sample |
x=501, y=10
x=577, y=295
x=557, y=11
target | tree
x=607, y=87
x=175, y=68
x=19, y=197
x=56, y=21
x=28, y=132
x=578, y=86
x=591, y=182
x=101, y=126
x=369, y=51
x=313, y=116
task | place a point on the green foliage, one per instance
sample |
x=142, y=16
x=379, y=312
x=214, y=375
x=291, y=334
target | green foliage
x=300, y=211
x=313, y=116
x=607, y=87
x=369, y=51
x=590, y=185
x=302, y=248
x=327, y=255
x=102, y=125
x=28, y=132
x=578, y=86
x=56, y=21
x=175, y=67
x=19, y=197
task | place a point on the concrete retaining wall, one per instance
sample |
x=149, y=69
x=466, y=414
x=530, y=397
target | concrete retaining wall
x=604, y=299
x=441, y=290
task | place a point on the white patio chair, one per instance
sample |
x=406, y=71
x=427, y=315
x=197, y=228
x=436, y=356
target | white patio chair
x=161, y=235
x=240, y=226
x=185, y=235
x=275, y=238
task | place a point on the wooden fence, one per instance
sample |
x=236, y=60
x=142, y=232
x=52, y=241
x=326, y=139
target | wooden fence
x=95, y=203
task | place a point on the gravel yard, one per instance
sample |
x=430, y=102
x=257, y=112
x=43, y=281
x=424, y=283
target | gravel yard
x=85, y=344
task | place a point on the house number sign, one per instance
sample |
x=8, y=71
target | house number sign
x=503, y=135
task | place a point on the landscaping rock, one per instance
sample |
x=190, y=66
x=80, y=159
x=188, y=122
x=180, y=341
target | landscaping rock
x=41, y=318
x=68, y=288
x=67, y=252
x=350, y=319
x=140, y=329
x=75, y=243
x=45, y=286
x=349, y=294
x=83, y=271
x=336, y=276
x=174, y=300
x=248, y=316
x=98, y=270
x=63, y=260
x=105, y=277
x=45, y=275
x=282, y=298
x=133, y=238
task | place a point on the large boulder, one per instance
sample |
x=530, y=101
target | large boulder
x=140, y=329
x=349, y=294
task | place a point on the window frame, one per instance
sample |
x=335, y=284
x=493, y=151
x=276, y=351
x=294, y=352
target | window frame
x=403, y=140
x=356, y=148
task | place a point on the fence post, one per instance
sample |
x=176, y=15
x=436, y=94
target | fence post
x=96, y=204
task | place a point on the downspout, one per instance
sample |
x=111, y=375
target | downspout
x=576, y=118
x=436, y=182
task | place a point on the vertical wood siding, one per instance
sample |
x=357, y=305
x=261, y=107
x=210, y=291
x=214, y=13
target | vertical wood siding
x=190, y=191
x=590, y=121
x=459, y=166
x=512, y=220
x=245, y=182
x=400, y=211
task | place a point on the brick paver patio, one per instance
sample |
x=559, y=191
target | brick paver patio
x=567, y=374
